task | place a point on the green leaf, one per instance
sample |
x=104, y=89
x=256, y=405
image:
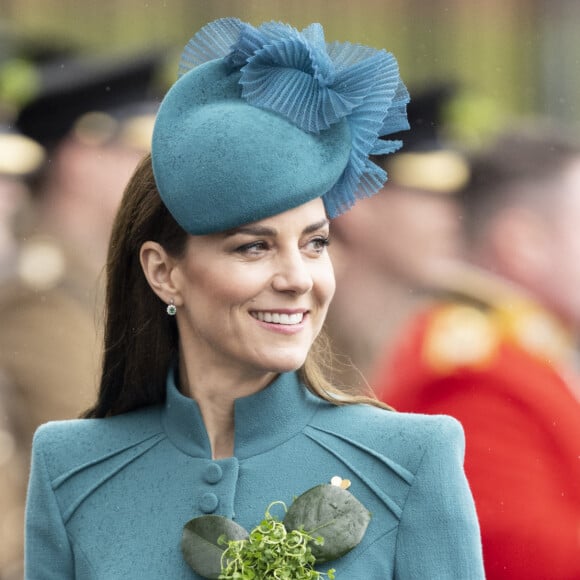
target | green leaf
x=333, y=513
x=200, y=543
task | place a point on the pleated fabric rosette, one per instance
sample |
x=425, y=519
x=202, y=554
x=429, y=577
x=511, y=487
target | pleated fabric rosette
x=264, y=119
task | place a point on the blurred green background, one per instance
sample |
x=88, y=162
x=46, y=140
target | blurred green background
x=510, y=58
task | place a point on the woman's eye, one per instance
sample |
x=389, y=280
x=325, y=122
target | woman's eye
x=253, y=248
x=320, y=243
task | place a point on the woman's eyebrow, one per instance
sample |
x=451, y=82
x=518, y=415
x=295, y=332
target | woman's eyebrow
x=317, y=226
x=258, y=230
x=254, y=230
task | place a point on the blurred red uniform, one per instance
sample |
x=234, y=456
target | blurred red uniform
x=503, y=370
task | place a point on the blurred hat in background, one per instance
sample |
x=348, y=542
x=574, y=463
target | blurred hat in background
x=429, y=162
x=95, y=98
x=21, y=57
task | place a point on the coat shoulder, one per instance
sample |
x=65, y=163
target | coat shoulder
x=404, y=437
x=367, y=421
x=66, y=445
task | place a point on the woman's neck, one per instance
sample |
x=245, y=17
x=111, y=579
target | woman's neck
x=215, y=392
x=218, y=416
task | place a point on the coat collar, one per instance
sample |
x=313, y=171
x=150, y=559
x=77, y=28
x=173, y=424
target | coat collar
x=263, y=420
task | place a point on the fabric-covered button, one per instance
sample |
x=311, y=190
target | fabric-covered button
x=213, y=473
x=208, y=503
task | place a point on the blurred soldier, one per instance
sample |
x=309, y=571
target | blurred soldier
x=382, y=277
x=94, y=118
x=20, y=157
x=498, y=353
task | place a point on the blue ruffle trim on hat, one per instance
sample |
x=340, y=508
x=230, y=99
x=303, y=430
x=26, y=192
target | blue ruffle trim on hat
x=213, y=41
x=314, y=84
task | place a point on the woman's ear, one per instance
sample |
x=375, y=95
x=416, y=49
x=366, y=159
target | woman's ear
x=157, y=266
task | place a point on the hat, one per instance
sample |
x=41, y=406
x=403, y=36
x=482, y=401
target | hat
x=429, y=163
x=262, y=120
x=427, y=116
x=71, y=87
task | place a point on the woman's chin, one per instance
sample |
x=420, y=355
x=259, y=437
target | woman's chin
x=285, y=364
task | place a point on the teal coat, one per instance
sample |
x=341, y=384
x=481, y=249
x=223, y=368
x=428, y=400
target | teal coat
x=108, y=498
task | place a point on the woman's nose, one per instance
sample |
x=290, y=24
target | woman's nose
x=293, y=274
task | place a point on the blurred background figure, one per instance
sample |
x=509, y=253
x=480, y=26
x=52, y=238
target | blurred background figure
x=383, y=278
x=20, y=157
x=499, y=352
x=91, y=121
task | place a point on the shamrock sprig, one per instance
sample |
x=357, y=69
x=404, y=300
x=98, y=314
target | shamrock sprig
x=322, y=524
x=271, y=551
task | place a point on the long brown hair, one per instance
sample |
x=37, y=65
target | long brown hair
x=140, y=340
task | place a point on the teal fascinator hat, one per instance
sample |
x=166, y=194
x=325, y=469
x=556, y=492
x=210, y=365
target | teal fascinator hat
x=262, y=120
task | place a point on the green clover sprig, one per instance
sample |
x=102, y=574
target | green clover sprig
x=271, y=551
x=322, y=524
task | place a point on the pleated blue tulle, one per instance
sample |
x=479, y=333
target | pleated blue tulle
x=314, y=84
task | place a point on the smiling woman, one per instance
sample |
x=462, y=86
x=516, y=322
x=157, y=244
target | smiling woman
x=250, y=303
x=213, y=411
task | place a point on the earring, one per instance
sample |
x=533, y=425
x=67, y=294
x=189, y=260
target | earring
x=171, y=308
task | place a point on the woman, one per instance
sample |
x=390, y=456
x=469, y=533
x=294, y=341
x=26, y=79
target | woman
x=212, y=400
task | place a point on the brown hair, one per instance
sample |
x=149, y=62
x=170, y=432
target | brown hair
x=140, y=340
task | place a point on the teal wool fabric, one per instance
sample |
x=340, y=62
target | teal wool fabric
x=108, y=497
x=265, y=119
x=220, y=162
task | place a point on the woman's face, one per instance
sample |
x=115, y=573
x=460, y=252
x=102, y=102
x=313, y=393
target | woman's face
x=253, y=299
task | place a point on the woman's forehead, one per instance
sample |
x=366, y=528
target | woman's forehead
x=306, y=218
x=306, y=215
